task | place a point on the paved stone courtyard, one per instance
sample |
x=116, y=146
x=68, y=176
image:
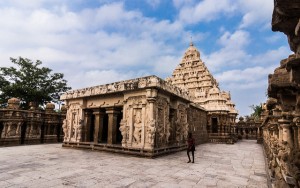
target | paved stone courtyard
x=216, y=165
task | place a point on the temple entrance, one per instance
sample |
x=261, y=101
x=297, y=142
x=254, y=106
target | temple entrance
x=104, y=129
x=214, y=124
x=92, y=129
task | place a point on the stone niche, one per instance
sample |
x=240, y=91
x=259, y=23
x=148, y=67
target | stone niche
x=144, y=116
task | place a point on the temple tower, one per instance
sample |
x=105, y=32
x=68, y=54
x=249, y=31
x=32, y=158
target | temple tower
x=192, y=76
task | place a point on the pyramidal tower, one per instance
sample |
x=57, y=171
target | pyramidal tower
x=192, y=76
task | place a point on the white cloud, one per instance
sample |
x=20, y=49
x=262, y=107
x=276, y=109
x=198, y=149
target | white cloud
x=271, y=57
x=205, y=10
x=255, y=12
x=153, y=3
x=180, y=3
x=248, y=75
x=232, y=52
x=123, y=43
x=238, y=39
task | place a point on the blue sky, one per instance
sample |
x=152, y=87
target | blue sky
x=95, y=42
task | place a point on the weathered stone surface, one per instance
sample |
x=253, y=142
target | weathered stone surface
x=29, y=126
x=79, y=168
x=280, y=128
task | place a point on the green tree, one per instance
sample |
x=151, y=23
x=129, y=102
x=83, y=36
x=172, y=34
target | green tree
x=257, y=110
x=30, y=83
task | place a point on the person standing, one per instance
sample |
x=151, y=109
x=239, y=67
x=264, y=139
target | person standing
x=191, y=147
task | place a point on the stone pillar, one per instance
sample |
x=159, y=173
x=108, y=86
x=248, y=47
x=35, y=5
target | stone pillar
x=87, y=125
x=98, y=126
x=286, y=132
x=112, y=125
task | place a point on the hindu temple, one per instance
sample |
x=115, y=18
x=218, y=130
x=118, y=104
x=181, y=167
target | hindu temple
x=150, y=116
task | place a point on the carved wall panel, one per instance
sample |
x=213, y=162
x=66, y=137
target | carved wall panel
x=132, y=125
x=11, y=129
x=74, y=123
x=162, y=121
x=182, y=126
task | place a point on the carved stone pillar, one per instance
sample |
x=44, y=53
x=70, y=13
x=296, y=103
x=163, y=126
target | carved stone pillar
x=112, y=125
x=98, y=126
x=87, y=125
x=286, y=132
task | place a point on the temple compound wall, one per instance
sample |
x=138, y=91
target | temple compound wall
x=144, y=116
x=30, y=126
x=280, y=130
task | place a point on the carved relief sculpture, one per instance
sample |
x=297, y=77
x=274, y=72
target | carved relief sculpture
x=65, y=129
x=124, y=131
x=137, y=127
x=151, y=132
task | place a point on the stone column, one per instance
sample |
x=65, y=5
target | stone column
x=87, y=125
x=98, y=126
x=112, y=125
x=286, y=132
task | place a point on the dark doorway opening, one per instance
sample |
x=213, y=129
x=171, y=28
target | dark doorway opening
x=214, y=122
x=1, y=128
x=119, y=135
x=92, y=129
x=23, y=132
x=105, y=129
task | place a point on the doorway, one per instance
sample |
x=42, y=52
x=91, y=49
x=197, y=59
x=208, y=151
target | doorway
x=214, y=124
x=104, y=129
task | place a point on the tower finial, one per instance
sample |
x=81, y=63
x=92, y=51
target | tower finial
x=191, y=42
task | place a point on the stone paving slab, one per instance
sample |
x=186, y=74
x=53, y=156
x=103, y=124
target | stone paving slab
x=216, y=165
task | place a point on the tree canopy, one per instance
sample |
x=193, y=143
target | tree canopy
x=257, y=110
x=30, y=82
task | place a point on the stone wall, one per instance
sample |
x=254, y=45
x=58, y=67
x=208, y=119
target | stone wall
x=197, y=121
x=29, y=126
x=281, y=125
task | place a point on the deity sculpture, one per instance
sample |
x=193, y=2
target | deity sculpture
x=11, y=129
x=137, y=127
x=124, y=130
x=79, y=130
x=65, y=129
x=151, y=132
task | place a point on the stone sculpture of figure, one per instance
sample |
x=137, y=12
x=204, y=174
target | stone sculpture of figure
x=178, y=131
x=124, y=130
x=11, y=129
x=79, y=130
x=65, y=129
x=151, y=132
x=137, y=127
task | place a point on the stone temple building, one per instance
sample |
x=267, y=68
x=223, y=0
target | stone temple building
x=192, y=76
x=150, y=116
